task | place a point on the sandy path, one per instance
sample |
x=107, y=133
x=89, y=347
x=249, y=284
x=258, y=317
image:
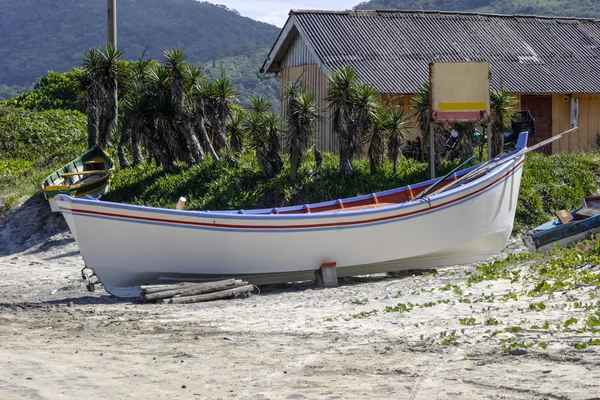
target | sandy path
x=57, y=341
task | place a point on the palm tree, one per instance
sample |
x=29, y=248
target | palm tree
x=375, y=140
x=263, y=135
x=341, y=97
x=366, y=106
x=98, y=81
x=273, y=124
x=237, y=131
x=502, y=108
x=398, y=128
x=93, y=92
x=109, y=111
x=201, y=92
x=160, y=134
x=465, y=146
x=221, y=93
x=134, y=86
x=301, y=117
x=421, y=107
x=422, y=111
x=175, y=60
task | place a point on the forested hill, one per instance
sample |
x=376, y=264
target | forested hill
x=566, y=8
x=37, y=36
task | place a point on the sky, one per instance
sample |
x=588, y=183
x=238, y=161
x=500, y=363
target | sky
x=276, y=12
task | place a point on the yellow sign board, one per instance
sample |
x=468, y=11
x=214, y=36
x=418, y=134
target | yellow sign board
x=460, y=91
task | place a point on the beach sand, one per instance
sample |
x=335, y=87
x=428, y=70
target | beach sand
x=294, y=341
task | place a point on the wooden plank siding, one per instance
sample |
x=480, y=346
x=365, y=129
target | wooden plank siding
x=404, y=102
x=314, y=82
x=594, y=118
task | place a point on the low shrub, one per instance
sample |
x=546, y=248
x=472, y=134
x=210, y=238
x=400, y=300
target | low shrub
x=553, y=183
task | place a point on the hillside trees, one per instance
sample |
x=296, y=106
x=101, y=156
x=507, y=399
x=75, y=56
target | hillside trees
x=56, y=91
x=573, y=8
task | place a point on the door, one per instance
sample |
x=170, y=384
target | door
x=540, y=108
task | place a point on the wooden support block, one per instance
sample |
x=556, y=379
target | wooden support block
x=326, y=276
x=564, y=216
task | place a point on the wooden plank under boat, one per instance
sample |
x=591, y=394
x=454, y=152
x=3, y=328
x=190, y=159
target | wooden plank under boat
x=584, y=223
x=88, y=175
x=468, y=218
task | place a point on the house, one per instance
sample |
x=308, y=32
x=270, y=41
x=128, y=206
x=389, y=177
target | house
x=552, y=65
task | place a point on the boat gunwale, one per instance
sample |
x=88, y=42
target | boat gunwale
x=504, y=169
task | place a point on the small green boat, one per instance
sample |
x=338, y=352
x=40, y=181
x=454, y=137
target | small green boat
x=90, y=174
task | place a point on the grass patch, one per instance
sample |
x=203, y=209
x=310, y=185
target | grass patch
x=34, y=144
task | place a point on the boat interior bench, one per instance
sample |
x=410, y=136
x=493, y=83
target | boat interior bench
x=584, y=213
x=90, y=172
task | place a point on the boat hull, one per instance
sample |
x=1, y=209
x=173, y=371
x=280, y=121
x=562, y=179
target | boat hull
x=88, y=175
x=548, y=236
x=128, y=246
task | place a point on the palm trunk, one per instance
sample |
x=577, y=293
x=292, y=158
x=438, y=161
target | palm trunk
x=123, y=161
x=294, y=163
x=497, y=140
x=345, y=159
x=197, y=154
x=273, y=153
x=92, y=124
x=136, y=146
x=181, y=121
x=205, y=139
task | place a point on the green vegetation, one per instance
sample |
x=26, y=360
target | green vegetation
x=554, y=183
x=57, y=91
x=572, y=8
x=33, y=144
x=215, y=185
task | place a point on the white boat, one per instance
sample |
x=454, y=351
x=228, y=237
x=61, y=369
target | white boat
x=468, y=218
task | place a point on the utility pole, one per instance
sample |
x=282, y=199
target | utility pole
x=111, y=22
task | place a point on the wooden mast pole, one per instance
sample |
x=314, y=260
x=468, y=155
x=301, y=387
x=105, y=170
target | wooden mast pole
x=111, y=22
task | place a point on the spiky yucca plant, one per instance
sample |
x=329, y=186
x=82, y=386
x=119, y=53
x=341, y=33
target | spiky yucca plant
x=375, y=139
x=398, y=127
x=341, y=97
x=301, y=116
x=98, y=81
x=502, y=108
x=175, y=61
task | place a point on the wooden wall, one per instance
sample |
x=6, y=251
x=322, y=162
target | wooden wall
x=589, y=122
x=315, y=82
x=404, y=102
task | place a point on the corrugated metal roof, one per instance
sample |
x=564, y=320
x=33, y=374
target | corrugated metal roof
x=392, y=50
